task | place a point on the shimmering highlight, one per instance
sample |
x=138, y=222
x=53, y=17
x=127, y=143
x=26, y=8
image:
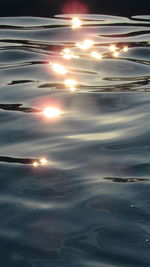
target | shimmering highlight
x=76, y=23
x=115, y=54
x=51, y=112
x=43, y=161
x=35, y=164
x=96, y=55
x=70, y=83
x=86, y=44
x=59, y=68
x=67, y=54
x=125, y=48
x=112, y=48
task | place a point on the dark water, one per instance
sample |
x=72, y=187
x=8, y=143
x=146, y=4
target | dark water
x=90, y=206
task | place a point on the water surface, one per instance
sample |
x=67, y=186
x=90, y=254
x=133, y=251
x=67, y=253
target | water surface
x=90, y=205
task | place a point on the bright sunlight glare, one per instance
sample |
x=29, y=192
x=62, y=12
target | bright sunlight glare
x=86, y=44
x=59, y=68
x=50, y=112
x=76, y=23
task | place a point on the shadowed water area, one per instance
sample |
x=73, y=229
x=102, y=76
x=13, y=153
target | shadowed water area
x=90, y=205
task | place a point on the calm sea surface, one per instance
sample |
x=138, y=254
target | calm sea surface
x=90, y=205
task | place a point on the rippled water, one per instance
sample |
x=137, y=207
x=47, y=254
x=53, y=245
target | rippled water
x=90, y=206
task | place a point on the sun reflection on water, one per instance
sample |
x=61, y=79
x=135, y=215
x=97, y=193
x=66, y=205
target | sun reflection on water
x=51, y=112
x=76, y=23
x=86, y=44
x=59, y=68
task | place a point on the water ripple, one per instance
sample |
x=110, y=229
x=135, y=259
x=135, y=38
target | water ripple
x=90, y=205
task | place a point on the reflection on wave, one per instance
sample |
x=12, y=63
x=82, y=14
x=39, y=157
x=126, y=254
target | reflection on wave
x=38, y=41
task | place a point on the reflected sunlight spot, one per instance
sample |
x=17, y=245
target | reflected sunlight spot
x=70, y=83
x=85, y=44
x=35, y=164
x=43, y=161
x=96, y=55
x=67, y=54
x=76, y=23
x=125, y=49
x=59, y=68
x=50, y=112
x=67, y=51
x=115, y=54
x=112, y=48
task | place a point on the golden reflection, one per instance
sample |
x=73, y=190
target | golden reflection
x=50, y=112
x=70, y=83
x=115, y=54
x=43, y=161
x=35, y=164
x=67, y=51
x=59, y=68
x=125, y=48
x=67, y=54
x=86, y=44
x=113, y=48
x=96, y=55
x=76, y=23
